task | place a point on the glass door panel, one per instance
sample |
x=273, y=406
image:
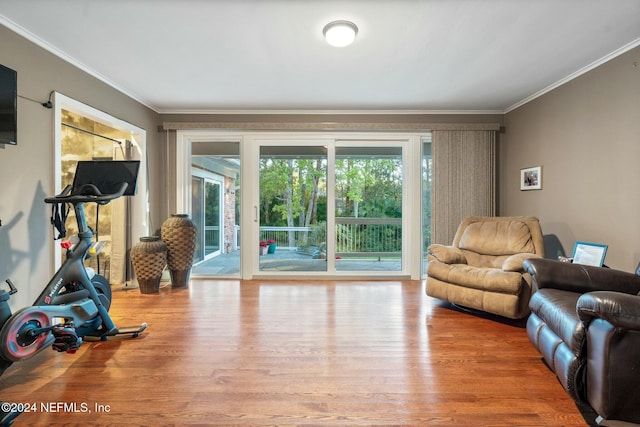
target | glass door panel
x=293, y=208
x=215, y=207
x=368, y=208
x=427, y=180
x=206, y=213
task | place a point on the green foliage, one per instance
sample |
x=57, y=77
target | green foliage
x=427, y=180
x=318, y=234
x=212, y=206
x=369, y=187
x=289, y=188
x=293, y=193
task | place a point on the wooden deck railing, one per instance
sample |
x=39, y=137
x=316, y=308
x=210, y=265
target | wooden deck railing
x=355, y=237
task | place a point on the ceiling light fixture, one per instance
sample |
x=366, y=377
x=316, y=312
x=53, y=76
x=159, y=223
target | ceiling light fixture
x=340, y=33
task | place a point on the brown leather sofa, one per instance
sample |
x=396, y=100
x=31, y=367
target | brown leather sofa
x=585, y=321
x=482, y=268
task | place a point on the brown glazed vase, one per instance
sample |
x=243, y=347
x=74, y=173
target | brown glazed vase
x=179, y=234
x=149, y=257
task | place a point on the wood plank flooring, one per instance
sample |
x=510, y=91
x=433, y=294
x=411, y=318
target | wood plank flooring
x=313, y=353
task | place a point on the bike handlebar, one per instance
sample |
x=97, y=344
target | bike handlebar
x=86, y=193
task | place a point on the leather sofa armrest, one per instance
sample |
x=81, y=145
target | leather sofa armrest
x=515, y=262
x=447, y=254
x=547, y=273
x=619, y=309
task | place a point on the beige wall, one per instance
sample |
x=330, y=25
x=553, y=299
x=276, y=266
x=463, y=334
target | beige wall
x=26, y=170
x=586, y=136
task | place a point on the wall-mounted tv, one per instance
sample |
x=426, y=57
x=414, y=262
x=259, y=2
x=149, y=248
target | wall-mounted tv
x=8, y=105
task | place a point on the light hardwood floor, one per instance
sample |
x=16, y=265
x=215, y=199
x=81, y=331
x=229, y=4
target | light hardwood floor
x=325, y=353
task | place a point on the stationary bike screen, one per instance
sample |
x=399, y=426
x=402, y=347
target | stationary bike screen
x=107, y=175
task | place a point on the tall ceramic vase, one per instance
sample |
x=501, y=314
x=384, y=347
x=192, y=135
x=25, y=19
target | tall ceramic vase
x=149, y=257
x=179, y=234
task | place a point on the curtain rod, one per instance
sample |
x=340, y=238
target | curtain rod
x=92, y=133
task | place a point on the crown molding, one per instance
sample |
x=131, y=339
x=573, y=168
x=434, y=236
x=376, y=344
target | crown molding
x=68, y=58
x=328, y=112
x=575, y=75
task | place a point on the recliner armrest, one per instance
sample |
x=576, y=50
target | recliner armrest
x=547, y=273
x=515, y=262
x=619, y=309
x=447, y=254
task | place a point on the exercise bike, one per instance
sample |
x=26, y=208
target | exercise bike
x=75, y=302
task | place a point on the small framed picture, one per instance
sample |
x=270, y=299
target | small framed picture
x=589, y=253
x=531, y=178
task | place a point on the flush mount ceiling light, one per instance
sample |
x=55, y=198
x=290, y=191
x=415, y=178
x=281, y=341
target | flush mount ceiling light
x=340, y=33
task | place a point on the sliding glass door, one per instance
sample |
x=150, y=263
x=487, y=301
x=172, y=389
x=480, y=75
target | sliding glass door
x=331, y=206
x=215, y=205
x=293, y=208
x=368, y=208
x=313, y=204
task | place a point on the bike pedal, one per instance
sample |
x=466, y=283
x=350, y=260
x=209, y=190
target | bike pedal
x=66, y=339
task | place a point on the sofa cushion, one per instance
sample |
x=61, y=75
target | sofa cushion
x=557, y=309
x=483, y=260
x=508, y=305
x=497, y=238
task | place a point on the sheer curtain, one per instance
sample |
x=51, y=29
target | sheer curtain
x=464, y=182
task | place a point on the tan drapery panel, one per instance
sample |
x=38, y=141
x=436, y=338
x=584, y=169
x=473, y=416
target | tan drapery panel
x=464, y=182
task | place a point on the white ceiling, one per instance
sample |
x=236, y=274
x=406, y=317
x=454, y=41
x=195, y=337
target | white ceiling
x=409, y=56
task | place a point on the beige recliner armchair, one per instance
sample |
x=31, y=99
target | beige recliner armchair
x=483, y=269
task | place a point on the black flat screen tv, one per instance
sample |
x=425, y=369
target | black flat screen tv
x=8, y=106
